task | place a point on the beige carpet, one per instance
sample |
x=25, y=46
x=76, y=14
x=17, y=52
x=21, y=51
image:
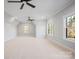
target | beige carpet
x=32, y=48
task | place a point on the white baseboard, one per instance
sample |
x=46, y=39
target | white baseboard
x=61, y=45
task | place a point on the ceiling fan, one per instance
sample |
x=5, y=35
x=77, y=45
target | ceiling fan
x=29, y=19
x=21, y=1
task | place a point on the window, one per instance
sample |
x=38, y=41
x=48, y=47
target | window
x=26, y=28
x=50, y=29
x=70, y=27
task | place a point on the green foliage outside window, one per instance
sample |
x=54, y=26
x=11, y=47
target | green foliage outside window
x=70, y=27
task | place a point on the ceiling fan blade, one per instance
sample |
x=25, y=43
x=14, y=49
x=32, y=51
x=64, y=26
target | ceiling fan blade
x=14, y=1
x=22, y=6
x=30, y=5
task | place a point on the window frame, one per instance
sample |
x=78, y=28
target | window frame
x=64, y=27
x=50, y=33
x=67, y=28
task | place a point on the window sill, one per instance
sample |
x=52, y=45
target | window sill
x=71, y=40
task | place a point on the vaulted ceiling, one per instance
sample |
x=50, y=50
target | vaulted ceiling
x=44, y=8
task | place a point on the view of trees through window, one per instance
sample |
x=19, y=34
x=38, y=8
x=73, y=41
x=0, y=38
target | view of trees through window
x=70, y=27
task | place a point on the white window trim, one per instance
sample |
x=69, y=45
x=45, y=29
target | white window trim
x=64, y=26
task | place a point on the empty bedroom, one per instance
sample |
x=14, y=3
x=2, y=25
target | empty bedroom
x=39, y=29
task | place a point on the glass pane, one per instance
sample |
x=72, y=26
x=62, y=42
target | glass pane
x=50, y=29
x=70, y=27
x=26, y=29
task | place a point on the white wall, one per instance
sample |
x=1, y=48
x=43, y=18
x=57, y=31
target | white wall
x=9, y=28
x=38, y=29
x=9, y=31
x=41, y=29
x=59, y=26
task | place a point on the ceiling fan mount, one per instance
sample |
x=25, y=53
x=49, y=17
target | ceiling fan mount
x=21, y=1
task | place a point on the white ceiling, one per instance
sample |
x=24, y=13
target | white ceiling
x=44, y=8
